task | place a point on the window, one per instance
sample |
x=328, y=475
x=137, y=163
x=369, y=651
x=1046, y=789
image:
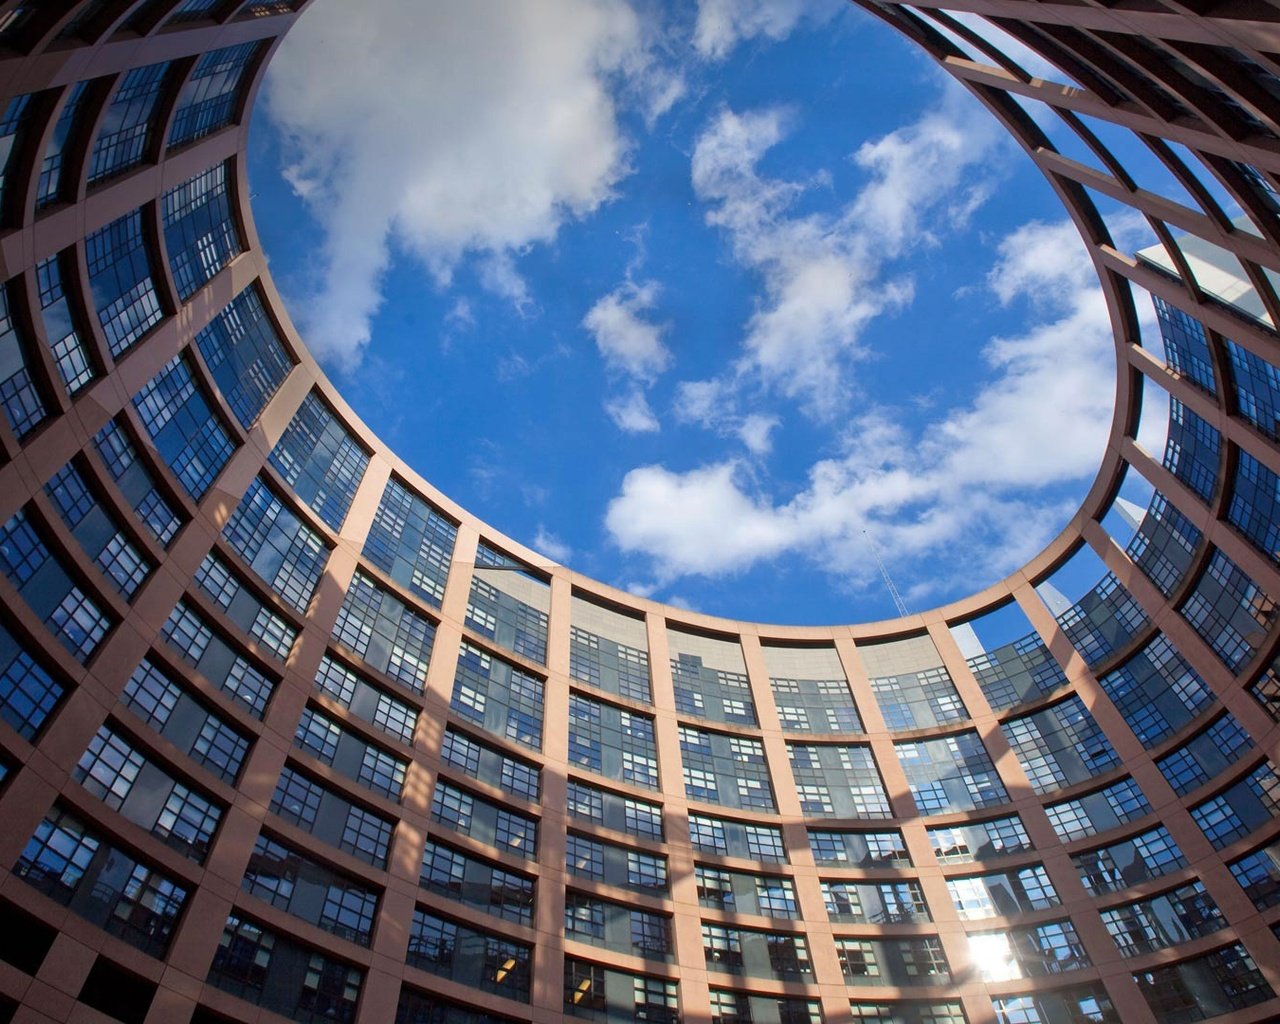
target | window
x=366, y=836
x=60, y=325
x=209, y=98
x=320, y=460
x=28, y=694
x=109, y=768
x=411, y=542
x=127, y=127
x=296, y=799
x=245, y=356
x=183, y=427
x=120, y=276
x=584, y=858
x=200, y=233
x=274, y=542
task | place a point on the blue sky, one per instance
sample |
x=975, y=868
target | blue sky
x=689, y=296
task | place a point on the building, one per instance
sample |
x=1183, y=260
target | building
x=286, y=734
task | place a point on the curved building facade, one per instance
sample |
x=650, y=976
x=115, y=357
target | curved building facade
x=285, y=734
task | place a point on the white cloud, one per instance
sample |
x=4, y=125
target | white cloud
x=755, y=431
x=823, y=275
x=631, y=413
x=723, y=24
x=960, y=492
x=629, y=343
x=632, y=349
x=552, y=546
x=451, y=130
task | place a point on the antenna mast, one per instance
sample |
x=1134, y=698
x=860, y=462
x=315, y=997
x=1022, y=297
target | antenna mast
x=884, y=573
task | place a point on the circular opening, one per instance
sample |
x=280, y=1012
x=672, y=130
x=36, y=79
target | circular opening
x=752, y=315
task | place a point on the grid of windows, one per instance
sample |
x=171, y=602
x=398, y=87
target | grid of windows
x=1120, y=865
x=1255, y=508
x=136, y=483
x=366, y=764
x=858, y=849
x=1086, y=815
x=478, y=959
x=1257, y=389
x=411, y=542
x=200, y=232
x=61, y=326
x=319, y=459
x=983, y=840
x=24, y=408
x=1173, y=917
x=97, y=530
x=1229, y=611
x=717, y=695
x=759, y=954
x=391, y=637
x=1186, y=348
x=736, y=839
x=51, y=186
x=1259, y=875
x=14, y=122
x=1040, y=950
x=38, y=575
x=1103, y=621
x=102, y=883
x=1059, y=746
x=498, y=697
x=616, y=927
x=183, y=427
x=476, y=883
x=209, y=98
x=190, y=636
x=274, y=542
x=953, y=773
x=624, y=814
x=874, y=902
x=596, y=993
x=224, y=587
x=838, y=780
x=1002, y=895
x=290, y=880
x=28, y=694
x=1088, y=1002
x=1191, y=451
x=726, y=770
x=900, y=962
x=492, y=611
x=121, y=281
x=110, y=769
x=1241, y=808
x=1163, y=546
x=293, y=981
x=125, y=136
x=394, y=717
x=910, y=1011
x=1205, y=755
x=1156, y=691
x=609, y=665
x=815, y=705
x=915, y=700
x=1205, y=986
x=1017, y=672
x=172, y=712
x=245, y=356
x=486, y=822
x=483, y=762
